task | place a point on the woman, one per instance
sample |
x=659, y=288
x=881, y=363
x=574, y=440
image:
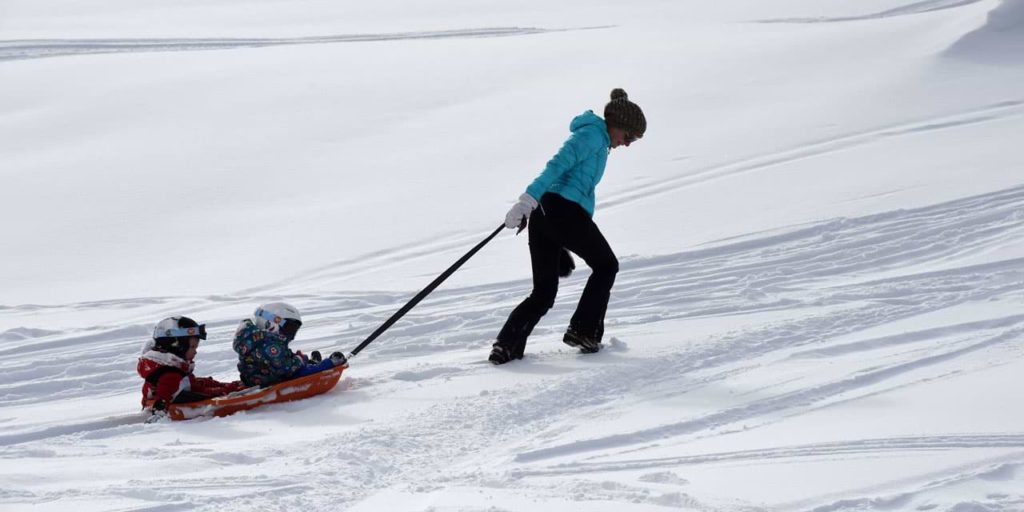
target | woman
x=564, y=192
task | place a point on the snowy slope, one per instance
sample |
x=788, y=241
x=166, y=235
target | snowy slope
x=821, y=297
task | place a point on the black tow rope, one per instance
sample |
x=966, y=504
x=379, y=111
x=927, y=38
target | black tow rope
x=426, y=291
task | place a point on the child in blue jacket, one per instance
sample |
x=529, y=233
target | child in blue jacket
x=560, y=205
x=261, y=342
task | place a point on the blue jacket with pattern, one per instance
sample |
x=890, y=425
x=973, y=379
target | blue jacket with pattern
x=264, y=358
x=575, y=170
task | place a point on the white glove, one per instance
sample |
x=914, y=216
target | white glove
x=514, y=218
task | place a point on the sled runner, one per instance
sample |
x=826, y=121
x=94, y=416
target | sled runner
x=295, y=389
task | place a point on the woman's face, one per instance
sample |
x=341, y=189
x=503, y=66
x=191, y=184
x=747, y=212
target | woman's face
x=620, y=137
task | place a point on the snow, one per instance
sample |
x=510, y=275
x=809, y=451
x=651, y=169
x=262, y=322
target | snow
x=821, y=238
x=999, y=40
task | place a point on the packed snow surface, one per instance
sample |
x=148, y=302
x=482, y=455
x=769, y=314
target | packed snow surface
x=820, y=305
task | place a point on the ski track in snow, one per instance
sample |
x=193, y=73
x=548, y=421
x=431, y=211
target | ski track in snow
x=844, y=276
x=978, y=115
x=837, y=449
x=921, y=7
x=997, y=470
x=41, y=48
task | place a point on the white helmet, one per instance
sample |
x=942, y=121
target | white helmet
x=173, y=335
x=279, y=318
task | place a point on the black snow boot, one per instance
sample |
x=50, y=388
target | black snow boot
x=510, y=345
x=501, y=355
x=586, y=344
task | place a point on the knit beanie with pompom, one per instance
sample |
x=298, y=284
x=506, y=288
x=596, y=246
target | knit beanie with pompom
x=625, y=114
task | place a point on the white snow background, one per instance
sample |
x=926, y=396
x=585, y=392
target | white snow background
x=821, y=297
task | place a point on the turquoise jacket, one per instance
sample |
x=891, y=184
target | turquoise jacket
x=575, y=170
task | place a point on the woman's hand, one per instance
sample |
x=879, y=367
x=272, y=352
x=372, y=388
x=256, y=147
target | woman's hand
x=516, y=217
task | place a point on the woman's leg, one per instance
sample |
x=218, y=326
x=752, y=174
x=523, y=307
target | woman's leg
x=544, y=258
x=577, y=232
x=589, y=316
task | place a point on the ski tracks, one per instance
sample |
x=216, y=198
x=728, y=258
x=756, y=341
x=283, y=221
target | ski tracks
x=835, y=449
x=924, y=6
x=828, y=271
x=966, y=118
x=822, y=270
x=839, y=278
x=41, y=48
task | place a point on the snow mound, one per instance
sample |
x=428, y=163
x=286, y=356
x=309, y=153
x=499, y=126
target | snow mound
x=999, y=41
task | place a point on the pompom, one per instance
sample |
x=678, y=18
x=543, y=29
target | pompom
x=619, y=94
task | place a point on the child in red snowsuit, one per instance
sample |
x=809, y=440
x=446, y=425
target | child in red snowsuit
x=167, y=362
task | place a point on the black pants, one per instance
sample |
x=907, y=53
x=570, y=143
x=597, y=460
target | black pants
x=556, y=224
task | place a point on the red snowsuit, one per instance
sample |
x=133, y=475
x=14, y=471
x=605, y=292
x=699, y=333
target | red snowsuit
x=169, y=379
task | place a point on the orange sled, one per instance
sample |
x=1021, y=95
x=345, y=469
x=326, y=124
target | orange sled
x=295, y=389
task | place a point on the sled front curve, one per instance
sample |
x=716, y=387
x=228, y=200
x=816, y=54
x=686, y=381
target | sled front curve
x=251, y=398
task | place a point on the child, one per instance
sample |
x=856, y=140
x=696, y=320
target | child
x=167, y=362
x=264, y=358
